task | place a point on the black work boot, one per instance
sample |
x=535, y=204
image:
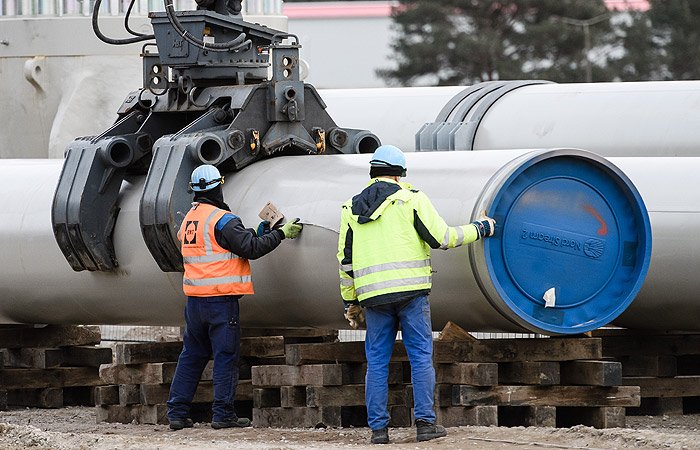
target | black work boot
x=426, y=431
x=236, y=422
x=179, y=424
x=380, y=436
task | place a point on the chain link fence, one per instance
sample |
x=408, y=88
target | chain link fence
x=33, y=8
x=124, y=333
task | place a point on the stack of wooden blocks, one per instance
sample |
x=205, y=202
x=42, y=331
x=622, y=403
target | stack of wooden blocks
x=530, y=382
x=51, y=366
x=665, y=365
x=138, y=381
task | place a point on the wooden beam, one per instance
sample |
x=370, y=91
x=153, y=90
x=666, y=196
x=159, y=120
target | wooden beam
x=297, y=417
x=489, y=350
x=153, y=394
x=147, y=352
x=263, y=346
x=49, y=336
x=511, y=350
x=678, y=344
x=546, y=396
x=318, y=374
x=312, y=374
x=324, y=334
x=266, y=398
x=33, y=358
x=153, y=414
x=649, y=366
x=117, y=413
x=44, y=378
x=453, y=332
x=684, y=386
x=155, y=373
x=591, y=373
x=129, y=394
x=294, y=396
x=348, y=395
x=476, y=374
x=45, y=358
x=153, y=352
x=539, y=373
x=36, y=398
x=457, y=416
x=107, y=395
x=331, y=352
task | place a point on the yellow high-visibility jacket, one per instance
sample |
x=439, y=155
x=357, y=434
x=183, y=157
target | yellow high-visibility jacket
x=386, y=233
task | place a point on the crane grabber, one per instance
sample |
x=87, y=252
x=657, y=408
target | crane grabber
x=207, y=98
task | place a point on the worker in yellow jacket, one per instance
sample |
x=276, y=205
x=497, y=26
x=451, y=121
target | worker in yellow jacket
x=386, y=233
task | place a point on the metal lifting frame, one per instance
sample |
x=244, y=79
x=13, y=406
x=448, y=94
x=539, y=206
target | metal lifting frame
x=201, y=103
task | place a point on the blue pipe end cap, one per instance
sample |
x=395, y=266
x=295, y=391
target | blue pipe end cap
x=572, y=244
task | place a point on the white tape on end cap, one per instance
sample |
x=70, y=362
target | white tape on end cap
x=550, y=298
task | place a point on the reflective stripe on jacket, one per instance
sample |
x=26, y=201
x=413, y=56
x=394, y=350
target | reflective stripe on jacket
x=210, y=270
x=384, y=248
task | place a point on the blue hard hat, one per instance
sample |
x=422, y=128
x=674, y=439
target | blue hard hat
x=205, y=177
x=388, y=156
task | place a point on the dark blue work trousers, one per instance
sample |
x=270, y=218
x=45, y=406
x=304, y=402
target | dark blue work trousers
x=383, y=321
x=212, y=328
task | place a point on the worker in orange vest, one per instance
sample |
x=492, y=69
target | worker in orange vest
x=215, y=249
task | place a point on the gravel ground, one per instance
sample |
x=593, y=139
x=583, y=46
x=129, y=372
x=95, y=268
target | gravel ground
x=75, y=428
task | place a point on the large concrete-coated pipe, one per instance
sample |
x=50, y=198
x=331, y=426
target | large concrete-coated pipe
x=394, y=115
x=568, y=221
x=611, y=119
x=670, y=297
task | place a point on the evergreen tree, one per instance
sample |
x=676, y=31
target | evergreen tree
x=676, y=25
x=642, y=60
x=447, y=42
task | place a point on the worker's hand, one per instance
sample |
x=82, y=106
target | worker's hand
x=355, y=315
x=263, y=228
x=292, y=229
x=485, y=225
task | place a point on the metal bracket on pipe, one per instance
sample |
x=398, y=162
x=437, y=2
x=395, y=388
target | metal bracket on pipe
x=85, y=203
x=456, y=125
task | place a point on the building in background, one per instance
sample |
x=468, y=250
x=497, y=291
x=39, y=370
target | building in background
x=343, y=42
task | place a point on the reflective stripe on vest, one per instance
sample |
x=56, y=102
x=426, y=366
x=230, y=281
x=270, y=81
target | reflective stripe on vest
x=208, y=258
x=219, y=280
x=445, y=244
x=388, y=284
x=391, y=266
x=210, y=270
x=390, y=279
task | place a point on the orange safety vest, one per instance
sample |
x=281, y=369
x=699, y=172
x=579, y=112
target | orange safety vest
x=210, y=269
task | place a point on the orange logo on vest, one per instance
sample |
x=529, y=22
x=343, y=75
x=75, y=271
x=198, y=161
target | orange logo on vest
x=191, y=232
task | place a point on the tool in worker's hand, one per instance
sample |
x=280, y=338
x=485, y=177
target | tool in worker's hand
x=271, y=214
